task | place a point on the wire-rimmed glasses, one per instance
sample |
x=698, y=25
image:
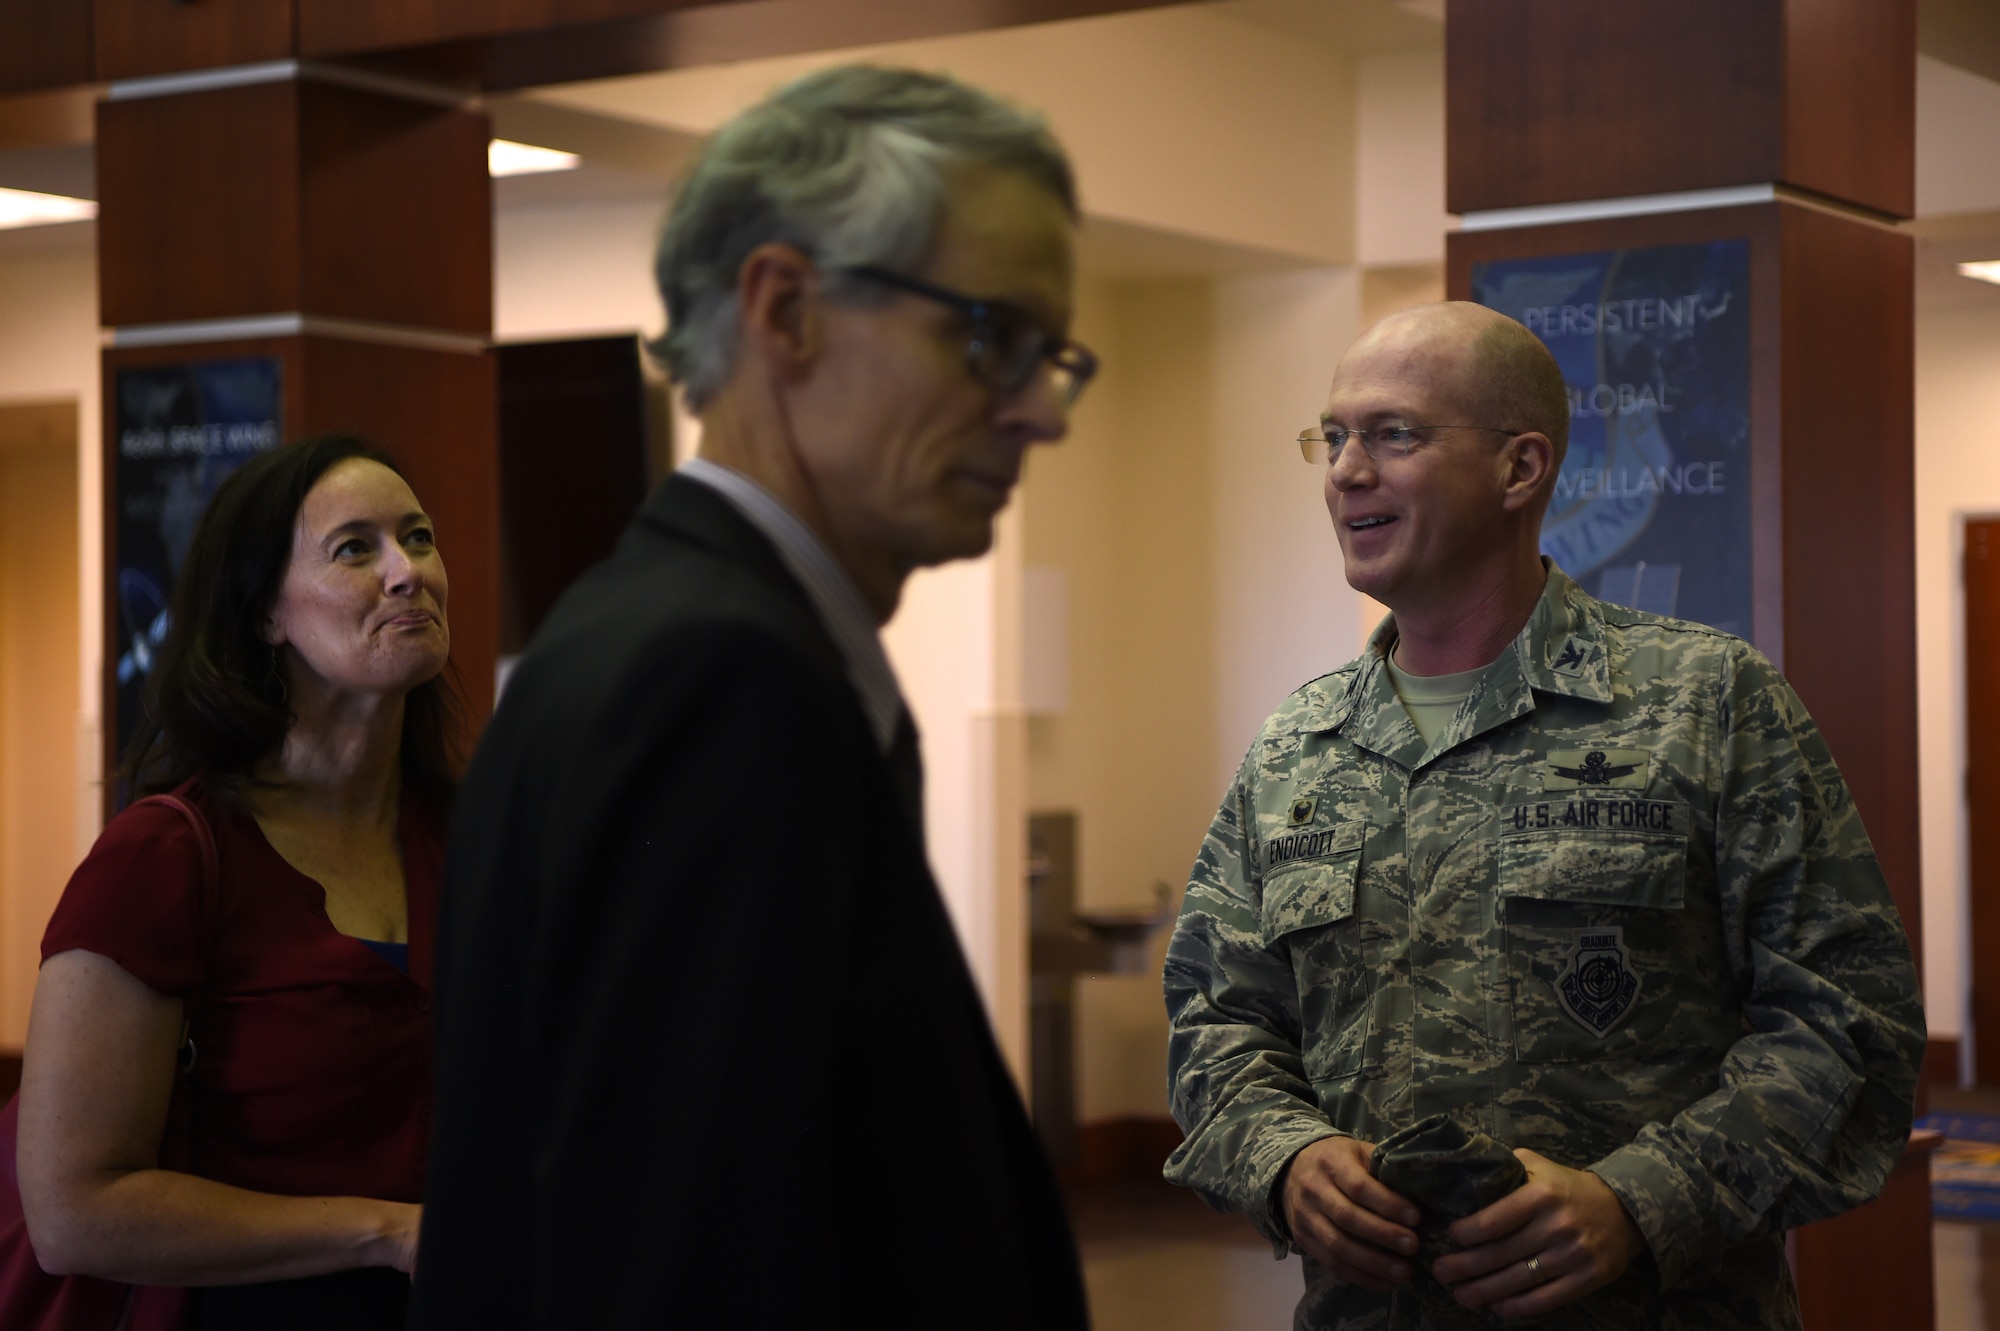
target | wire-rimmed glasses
x=1322, y=446
x=1006, y=345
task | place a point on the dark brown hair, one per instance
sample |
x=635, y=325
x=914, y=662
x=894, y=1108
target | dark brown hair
x=209, y=712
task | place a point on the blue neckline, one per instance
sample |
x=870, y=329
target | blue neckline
x=396, y=954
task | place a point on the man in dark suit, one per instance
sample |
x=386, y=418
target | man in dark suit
x=709, y=1055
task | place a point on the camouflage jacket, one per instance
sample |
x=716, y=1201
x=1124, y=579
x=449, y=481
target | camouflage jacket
x=1622, y=912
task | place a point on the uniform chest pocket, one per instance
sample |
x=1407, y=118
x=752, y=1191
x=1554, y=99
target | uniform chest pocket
x=1598, y=948
x=1308, y=914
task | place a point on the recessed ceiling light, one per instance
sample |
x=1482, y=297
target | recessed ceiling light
x=1987, y=270
x=20, y=207
x=504, y=157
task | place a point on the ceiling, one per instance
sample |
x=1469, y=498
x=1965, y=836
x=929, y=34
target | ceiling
x=1965, y=33
x=44, y=145
x=1942, y=244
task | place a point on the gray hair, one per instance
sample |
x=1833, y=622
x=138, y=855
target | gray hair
x=850, y=165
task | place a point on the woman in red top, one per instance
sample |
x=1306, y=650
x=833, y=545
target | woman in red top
x=270, y=1023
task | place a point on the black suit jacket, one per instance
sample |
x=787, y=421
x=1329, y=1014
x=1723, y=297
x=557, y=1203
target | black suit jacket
x=708, y=1052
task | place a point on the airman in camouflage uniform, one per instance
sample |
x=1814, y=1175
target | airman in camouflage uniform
x=1620, y=912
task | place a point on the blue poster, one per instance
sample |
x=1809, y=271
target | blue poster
x=179, y=430
x=1652, y=507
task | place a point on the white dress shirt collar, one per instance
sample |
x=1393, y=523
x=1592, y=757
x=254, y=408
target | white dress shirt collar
x=846, y=615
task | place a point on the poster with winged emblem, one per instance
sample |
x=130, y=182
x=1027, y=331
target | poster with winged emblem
x=1652, y=507
x=177, y=432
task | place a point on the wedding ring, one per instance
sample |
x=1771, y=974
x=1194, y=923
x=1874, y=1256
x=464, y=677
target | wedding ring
x=1534, y=1265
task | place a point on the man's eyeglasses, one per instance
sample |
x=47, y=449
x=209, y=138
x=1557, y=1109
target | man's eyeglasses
x=1007, y=346
x=1322, y=447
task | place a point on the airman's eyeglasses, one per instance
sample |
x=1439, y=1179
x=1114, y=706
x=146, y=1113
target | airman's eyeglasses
x=1322, y=447
x=1007, y=345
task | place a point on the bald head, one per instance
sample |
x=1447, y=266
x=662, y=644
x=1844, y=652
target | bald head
x=1494, y=369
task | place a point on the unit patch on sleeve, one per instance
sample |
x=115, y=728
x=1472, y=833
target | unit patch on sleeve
x=1601, y=768
x=1600, y=986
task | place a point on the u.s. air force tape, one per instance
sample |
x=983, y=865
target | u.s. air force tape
x=1594, y=813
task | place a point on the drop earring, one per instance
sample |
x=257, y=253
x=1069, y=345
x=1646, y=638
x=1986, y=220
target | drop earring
x=273, y=688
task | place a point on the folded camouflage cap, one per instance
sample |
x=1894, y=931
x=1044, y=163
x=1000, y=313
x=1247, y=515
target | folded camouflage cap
x=1444, y=1168
x=1450, y=1172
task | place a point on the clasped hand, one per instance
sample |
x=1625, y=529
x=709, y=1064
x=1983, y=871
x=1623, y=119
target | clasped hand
x=1567, y=1220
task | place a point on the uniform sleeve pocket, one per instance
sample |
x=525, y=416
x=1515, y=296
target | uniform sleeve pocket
x=1306, y=896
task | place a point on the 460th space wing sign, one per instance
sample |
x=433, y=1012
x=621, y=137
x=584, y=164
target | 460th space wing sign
x=1652, y=508
x=177, y=432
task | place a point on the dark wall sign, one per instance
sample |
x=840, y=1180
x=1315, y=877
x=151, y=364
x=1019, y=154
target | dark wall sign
x=1652, y=508
x=179, y=430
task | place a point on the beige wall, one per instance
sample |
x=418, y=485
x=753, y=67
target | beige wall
x=1124, y=509
x=1399, y=159
x=1203, y=586
x=38, y=689
x=573, y=270
x=49, y=350
x=50, y=569
x=1958, y=476
x=1957, y=112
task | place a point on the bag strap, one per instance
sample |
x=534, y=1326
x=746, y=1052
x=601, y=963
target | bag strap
x=204, y=840
x=211, y=897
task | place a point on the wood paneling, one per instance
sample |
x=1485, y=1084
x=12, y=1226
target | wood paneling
x=1121, y=1150
x=198, y=205
x=339, y=27
x=287, y=196
x=1941, y=1061
x=1982, y=788
x=1549, y=101
x=63, y=118
x=395, y=210
x=1849, y=430
x=1851, y=101
x=140, y=37
x=572, y=467
x=434, y=412
x=47, y=44
x=1832, y=437
x=1871, y=1268
x=522, y=43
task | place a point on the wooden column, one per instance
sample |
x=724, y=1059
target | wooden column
x=338, y=223
x=1577, y=127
